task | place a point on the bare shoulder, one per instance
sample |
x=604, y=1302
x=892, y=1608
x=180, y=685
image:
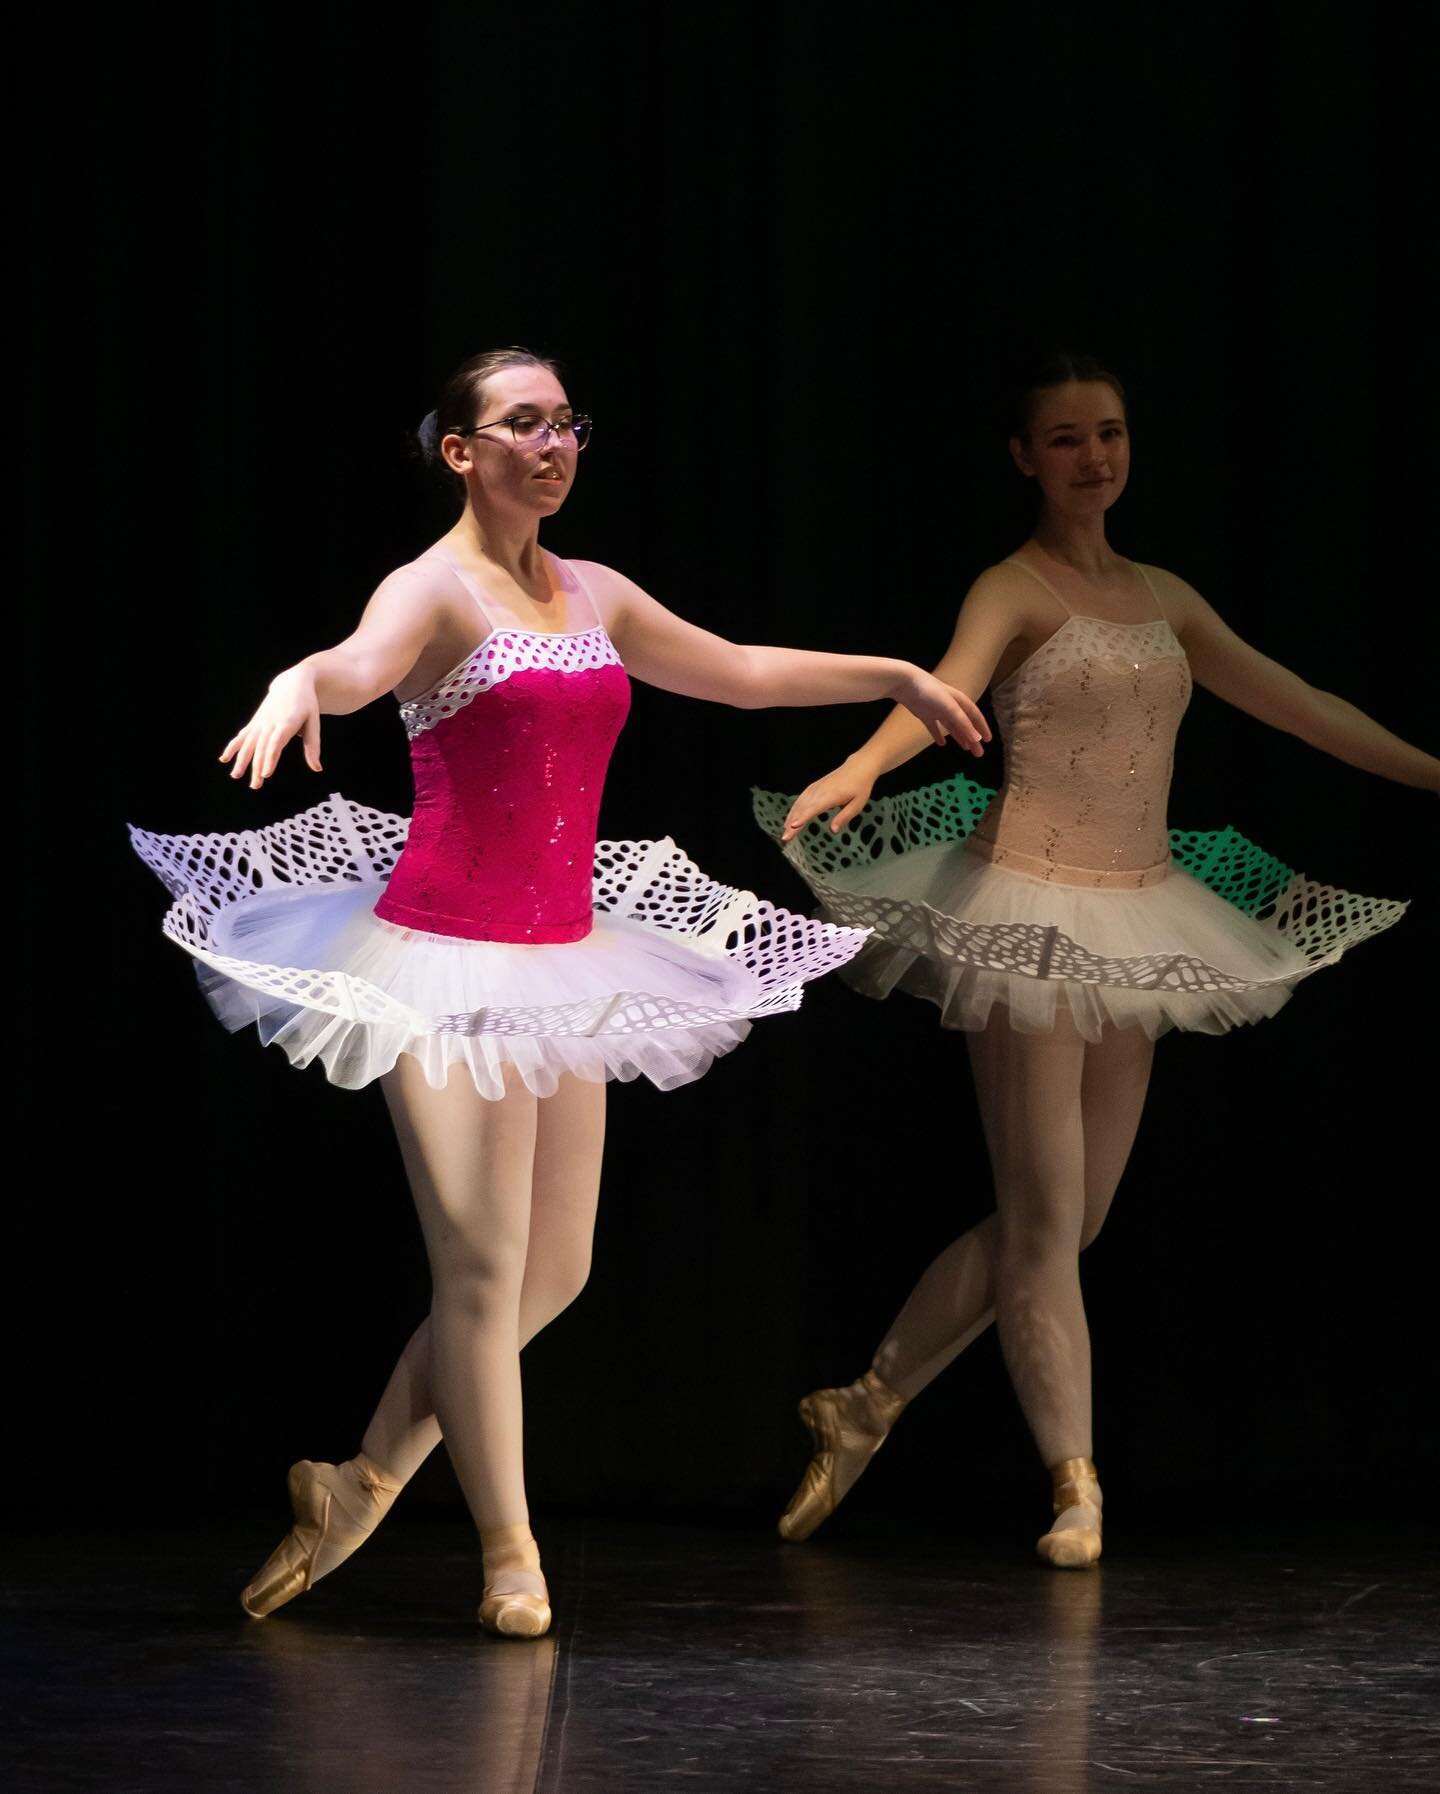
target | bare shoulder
x=610, y=590
x=1002, y=577
x=1182, y=603
x=1006, y=593
x=425, y=584
x=421, y=614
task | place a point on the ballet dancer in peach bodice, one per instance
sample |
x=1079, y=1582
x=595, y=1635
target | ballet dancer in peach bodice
x=1061, y=923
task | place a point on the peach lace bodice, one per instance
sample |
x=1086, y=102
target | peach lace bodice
x=1089, y=724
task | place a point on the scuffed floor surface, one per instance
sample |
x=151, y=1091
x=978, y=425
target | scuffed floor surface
x=881, y=1659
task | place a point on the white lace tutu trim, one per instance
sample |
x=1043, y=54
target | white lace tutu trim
x=281, y=922
x=967, y=934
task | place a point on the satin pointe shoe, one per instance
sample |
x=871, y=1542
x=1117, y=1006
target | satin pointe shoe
x=337, y=1507
x=848, y=1426
x=1074, y=1486
x=515, y=1602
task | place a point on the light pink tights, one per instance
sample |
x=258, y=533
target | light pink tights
x=1059, y=1114
x=506, y=1192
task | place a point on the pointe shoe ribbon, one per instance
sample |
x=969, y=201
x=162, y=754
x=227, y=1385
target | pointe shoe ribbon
x=1074, y=1484
x=336, y=1508
x=515, y=1602
x=848, y=1427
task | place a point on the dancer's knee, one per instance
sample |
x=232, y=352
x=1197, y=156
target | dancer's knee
x=563, y=1281
x=1039, y=1225
x=478, y=1273
x=1039, y=1240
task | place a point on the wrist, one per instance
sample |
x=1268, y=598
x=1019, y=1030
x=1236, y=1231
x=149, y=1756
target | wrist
x=907, y=677
x=300, y=677
x=862, y=765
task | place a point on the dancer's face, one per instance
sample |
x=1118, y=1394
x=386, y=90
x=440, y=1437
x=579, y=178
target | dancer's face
x=501, y=473
x=1078, y=451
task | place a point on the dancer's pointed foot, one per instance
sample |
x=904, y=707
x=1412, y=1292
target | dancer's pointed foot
x=337, y=1507
x=848, y=1426
x=1073, y=1541
x=516, y=1602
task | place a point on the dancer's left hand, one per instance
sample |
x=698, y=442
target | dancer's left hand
x=944, y=710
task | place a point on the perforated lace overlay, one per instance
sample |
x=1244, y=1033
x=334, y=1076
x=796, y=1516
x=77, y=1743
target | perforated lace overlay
x=1092, y=638
x=503, y=652
x=928, y=816
x=1320, y=921
x=338, y=841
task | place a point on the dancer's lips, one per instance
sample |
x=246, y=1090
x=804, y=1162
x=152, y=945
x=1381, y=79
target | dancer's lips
x=551, y=474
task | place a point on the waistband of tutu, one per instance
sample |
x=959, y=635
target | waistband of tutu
x=1090, y=878
x=470, y=928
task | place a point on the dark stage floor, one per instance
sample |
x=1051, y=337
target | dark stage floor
x=883, y=1659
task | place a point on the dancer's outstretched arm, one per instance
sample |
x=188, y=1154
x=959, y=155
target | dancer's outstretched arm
x=665, y=650
x=1228, y=666
x=408, y=614
x=993, y=615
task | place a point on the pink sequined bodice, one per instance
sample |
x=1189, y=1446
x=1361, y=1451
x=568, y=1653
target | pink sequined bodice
x=509, y=753
x=1089, y=724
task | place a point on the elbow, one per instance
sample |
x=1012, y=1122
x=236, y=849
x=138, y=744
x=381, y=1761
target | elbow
x=347, y=682
x=748, y=686
x=1312, y=717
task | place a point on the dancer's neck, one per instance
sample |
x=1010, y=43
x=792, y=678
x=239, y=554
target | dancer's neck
x=1077, y=543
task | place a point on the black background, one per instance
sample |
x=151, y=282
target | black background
x=785, y=261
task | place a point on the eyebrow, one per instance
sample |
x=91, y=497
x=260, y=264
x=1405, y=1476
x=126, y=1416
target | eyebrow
x=1105, y=423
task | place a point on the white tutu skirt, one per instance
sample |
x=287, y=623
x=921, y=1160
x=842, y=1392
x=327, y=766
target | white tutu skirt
x=281, y=923
x=1222, y=939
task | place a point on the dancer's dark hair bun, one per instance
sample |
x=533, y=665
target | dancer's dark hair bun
x=428, y=436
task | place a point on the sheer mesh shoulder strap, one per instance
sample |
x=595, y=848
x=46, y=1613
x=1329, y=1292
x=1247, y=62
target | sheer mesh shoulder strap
x=1144, y=573
x=1040, y=579
x=569, y=568
x=468, y=580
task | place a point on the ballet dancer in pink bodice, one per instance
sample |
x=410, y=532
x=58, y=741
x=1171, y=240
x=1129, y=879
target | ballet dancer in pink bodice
x=497, y=967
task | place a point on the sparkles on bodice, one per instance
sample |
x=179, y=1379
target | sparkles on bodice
x=1089, y=724
x=509, y=753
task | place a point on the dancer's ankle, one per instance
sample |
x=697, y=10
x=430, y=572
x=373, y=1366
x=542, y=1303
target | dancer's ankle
x=1075, y=1493
x=887, y=1400
x=365, y=1491
x=509, y=1548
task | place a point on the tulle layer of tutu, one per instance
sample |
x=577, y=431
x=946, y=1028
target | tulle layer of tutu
x=1222, y=940
x=281, y=923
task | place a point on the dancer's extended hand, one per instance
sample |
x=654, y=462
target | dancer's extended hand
x=944, y=710
x=846, y=791
x=291, y=708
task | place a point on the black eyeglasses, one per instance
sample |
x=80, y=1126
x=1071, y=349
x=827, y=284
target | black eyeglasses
x=529, y=430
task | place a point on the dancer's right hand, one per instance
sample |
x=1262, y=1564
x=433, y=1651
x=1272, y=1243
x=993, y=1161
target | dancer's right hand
x=291, y=708
x=846, y=791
